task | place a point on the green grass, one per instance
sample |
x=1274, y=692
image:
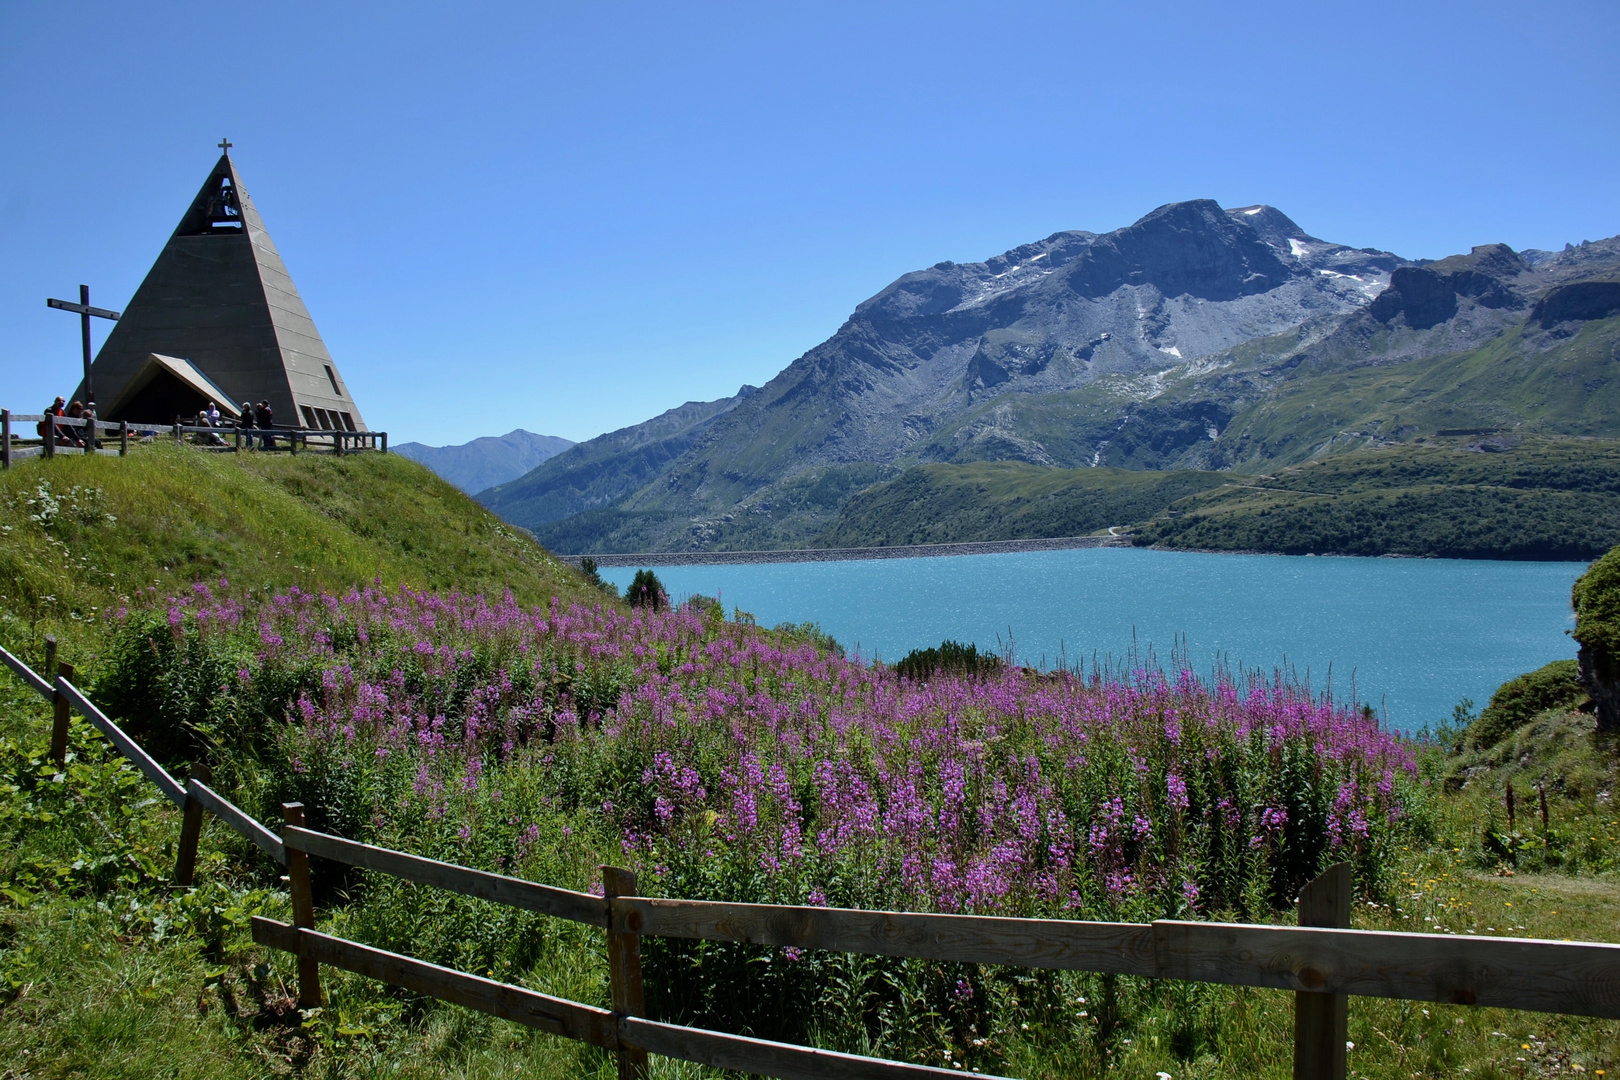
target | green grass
x=166, y=516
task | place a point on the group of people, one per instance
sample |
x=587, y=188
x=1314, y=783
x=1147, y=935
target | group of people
x=71, y=435
x=260, y=416
x=256, y=417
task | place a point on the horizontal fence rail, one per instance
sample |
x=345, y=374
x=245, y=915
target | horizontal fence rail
x=513, y=892
x=1062, y=944
x=584, y=1023
x=1573, y=978
x=1323, y=964
x=127, y=746
x=232, y=815
x=69, y=434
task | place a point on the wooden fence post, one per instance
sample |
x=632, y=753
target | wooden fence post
x=5, y=438
x=185, y=866
x=303, y=904
x=1322, y=1021
x=49, y=449
x=123, y=438
x=385, y=442
x=624, y=968
x=59, y=717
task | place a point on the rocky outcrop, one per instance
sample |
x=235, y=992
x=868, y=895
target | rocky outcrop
x=1426, y=296
x=1581, y=301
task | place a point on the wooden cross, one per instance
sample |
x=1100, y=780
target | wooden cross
x=225, y=145
x=84, y=311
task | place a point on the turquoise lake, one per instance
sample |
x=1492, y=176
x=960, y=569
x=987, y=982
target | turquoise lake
x=1416, y=635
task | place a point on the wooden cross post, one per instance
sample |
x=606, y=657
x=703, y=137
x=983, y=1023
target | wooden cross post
x=624, y=965
x=85, y=311
x=303, y=905
x=1322, y=1021
x=185, y=865
x=59, y=714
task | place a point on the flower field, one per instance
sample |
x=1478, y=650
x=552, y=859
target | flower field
x=723, y=761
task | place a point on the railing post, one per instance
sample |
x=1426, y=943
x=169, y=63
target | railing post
x=123, y=438
x=185, y=866
x=385, y=442
x=5, y=438
x=337, y=443
x=1322, y=1021
x=59, y=715
x=303, y=905
x=292, y=442
x=50, y=677
x=624, y=967
x=177, y=431
x=49, y=449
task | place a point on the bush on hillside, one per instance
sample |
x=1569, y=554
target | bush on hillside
x=645, y=590
x=951, y=658
x=1556, y=686
x=809, y=633
x=1596, y=597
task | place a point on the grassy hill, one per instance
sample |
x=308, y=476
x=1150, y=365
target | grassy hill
x=1495, y=496
x=86, y=535
x=1552, y=382
x=1461, y=497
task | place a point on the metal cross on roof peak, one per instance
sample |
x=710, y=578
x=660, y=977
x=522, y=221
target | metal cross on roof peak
x=225, y=145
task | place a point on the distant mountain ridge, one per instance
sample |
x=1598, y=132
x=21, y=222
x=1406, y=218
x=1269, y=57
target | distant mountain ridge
x=1164, y=344
x=487, y=461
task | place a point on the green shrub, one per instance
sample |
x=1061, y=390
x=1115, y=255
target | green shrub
x=809, y=633
x=951, y=658
x=1552, y=687
x=1596, y=597
x=645, y=590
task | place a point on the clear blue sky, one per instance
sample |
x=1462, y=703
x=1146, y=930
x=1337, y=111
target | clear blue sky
x=575, y=216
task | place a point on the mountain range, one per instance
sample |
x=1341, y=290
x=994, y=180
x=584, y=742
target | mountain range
x=1218, y=340
x=488, y=461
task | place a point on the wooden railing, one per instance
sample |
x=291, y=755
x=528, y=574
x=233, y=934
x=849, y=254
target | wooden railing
x=1322, y=960
x=225, y=437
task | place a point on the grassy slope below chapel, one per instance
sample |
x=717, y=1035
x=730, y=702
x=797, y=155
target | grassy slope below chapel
x=86, y=535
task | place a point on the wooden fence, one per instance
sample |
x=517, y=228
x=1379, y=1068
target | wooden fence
x=1321, y=960
x=53, y=439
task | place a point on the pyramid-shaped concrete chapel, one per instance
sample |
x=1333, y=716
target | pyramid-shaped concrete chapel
x=218, y=317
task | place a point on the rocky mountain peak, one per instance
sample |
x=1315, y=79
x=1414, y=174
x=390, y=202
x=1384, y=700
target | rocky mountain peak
x=1189, y=248
x=1275, y=227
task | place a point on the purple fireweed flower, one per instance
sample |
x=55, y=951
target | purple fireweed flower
x=1016, y=793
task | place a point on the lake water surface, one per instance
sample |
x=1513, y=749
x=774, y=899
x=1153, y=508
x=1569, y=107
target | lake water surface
x=1417, y=635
